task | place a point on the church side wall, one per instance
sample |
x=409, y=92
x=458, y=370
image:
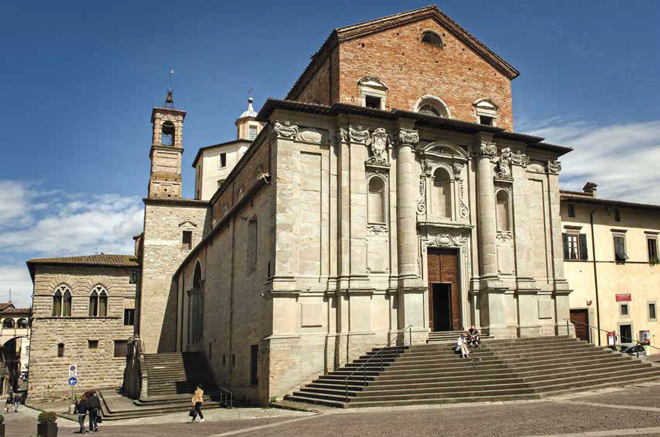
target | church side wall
x=98, y=367
x=322, y=88
x=163, y=253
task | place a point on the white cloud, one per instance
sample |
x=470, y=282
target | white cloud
x=15, y=277
x=621, y=158
x=35, y=223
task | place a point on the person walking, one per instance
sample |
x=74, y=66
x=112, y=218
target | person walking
x=81, y=410
x=197, y=400
x=17, y=402
x=10, y=400
x=94, y=407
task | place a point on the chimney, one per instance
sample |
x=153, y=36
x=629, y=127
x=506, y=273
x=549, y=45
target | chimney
x=590, y=189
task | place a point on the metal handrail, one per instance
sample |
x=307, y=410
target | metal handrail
x=379, y=352
x=639, y=343
x=226, y=398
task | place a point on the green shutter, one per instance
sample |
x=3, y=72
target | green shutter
x=565, y=238
x=584, y=251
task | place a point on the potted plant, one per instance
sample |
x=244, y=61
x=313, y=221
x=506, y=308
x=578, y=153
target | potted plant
x=2, y=425
x=47, y=426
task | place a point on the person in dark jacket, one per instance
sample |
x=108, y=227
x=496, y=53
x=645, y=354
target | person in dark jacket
x=94, y=407
x=81, y=409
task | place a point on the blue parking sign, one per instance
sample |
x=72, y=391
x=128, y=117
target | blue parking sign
x=73, y=381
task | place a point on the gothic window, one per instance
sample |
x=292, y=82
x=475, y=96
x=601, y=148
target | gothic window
x=431, y=105
x=8, y=323
x=376, y=200
x=57, y=303
x=432, y=38
x=98, y=302
x=66, y=304
x=503, y=216
x=167, y=134
x=441, y=194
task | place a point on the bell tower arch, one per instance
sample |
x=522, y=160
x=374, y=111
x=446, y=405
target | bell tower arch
x=166, y=151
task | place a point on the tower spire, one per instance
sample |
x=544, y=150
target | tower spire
x=169, y=101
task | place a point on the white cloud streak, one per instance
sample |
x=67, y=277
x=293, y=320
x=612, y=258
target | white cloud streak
x=35, y=223
x=621, y=158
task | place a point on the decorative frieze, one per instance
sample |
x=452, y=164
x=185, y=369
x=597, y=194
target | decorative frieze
x=554, y=167
x=359, y=135
x=421, y=203
x=519, y=158
x=311, y=135
x=285, y=129
x=409, y=136
x=377, y=228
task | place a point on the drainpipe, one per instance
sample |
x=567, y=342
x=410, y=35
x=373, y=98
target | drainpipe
x=593, y=248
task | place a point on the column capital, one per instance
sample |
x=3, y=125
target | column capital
x=484, y=148
x=408, y=137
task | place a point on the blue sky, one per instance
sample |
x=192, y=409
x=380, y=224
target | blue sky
x=79, y=78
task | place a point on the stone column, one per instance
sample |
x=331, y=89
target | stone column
x=493, y=305
x=406, y=211
x=561, y=286
x=411, y=291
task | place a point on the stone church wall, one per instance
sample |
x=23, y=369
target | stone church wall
x=97, y=368
x=163, y=252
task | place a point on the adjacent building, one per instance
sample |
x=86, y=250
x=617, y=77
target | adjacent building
x=611, y=260
x=15, y=342
x=83, y=311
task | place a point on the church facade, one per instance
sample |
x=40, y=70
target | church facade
x=386, y=194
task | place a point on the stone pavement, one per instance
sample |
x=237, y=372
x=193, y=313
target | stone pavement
x=612, y=412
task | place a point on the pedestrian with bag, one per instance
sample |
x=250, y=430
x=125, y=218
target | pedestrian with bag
x=94, y=406
x=81, y=410
x=197, y=400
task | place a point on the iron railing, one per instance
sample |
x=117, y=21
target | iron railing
x=226, y=398
x=380, y=353
x=639, y=343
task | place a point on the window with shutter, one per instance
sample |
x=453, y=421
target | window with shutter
x=584, y=251
x=620, y=249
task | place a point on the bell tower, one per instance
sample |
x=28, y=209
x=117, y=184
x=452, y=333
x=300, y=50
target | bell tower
x=166, y=151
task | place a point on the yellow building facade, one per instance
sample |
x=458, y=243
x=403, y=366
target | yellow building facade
x=611, y=262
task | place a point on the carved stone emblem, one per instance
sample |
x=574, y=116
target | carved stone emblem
x=377, y=228
x=343, y=134
x=444, y=240
x=379, y=143
x=458, y=168
x=409, y=136
x=554, y=167
x=286, y=129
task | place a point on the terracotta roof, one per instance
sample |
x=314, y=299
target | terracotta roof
x=16, y=311
x=96, y=260
x=5, y=305
x=575, y=197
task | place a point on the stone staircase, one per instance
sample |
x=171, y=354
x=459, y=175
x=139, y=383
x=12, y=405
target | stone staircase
x=178, y=373
x=172, y=379
x=500, y=370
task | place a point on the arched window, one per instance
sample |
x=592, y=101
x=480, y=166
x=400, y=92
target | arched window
x=197, y=279
x=503, y=219
x=432, y=105
x=167, y=134
x=22, y=323
x=66, y=304
x=196, y=315
x=57, y=304
x=376, y=200
x=8, y=323
x=98, y=302
x=441, y=194
x=432, y=38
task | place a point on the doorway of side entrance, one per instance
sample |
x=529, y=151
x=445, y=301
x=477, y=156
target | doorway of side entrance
x=444, y=296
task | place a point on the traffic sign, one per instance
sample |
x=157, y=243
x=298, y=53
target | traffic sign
x=73, y=381
x=73, y=370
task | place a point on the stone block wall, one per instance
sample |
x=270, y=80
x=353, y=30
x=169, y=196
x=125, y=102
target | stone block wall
x=163, y=252
x=98, y=368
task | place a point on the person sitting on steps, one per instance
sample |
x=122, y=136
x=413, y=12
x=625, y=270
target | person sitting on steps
x=462, y=346
x=474, y=337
